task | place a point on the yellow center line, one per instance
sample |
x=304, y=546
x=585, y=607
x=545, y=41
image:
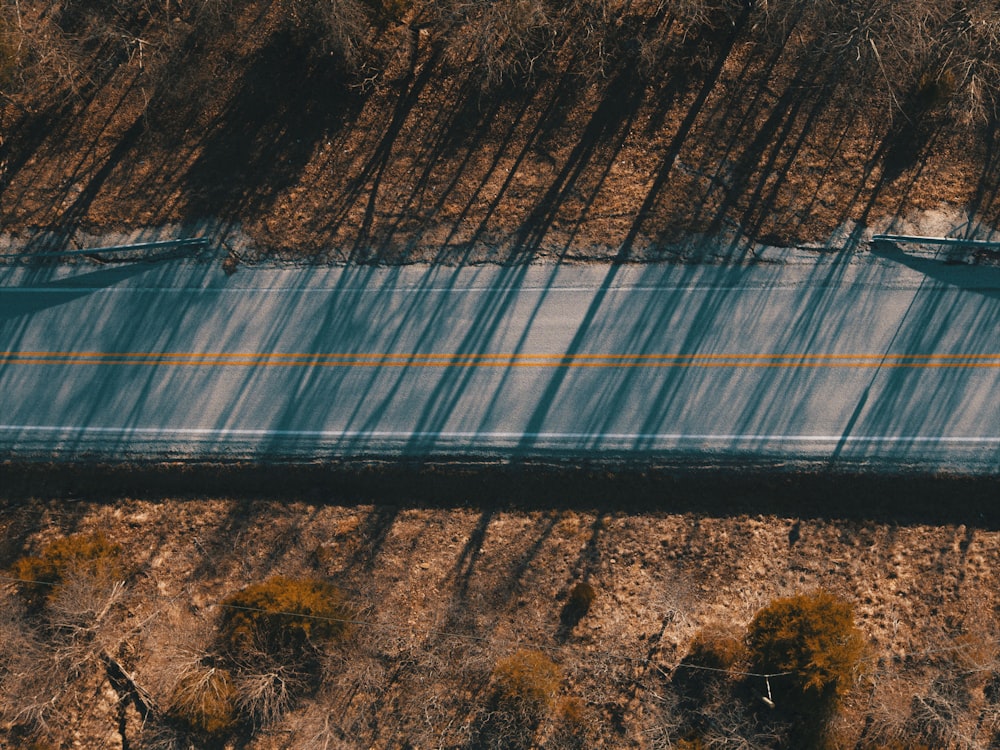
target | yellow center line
x=387, y=359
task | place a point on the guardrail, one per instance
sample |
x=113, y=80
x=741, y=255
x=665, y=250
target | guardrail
x=953, y=241
x=198, y=242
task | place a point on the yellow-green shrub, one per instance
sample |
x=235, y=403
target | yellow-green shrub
x=283, y=614
x=811, y=636
x=575, y=724
x=79, y=554
x=715, y=648
x=527, y=681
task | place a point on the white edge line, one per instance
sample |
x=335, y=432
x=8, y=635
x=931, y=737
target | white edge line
x=458, y=435
x=369, y=290
x=441, y=290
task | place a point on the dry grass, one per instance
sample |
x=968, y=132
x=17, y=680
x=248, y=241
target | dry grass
x=444, y=594
x=498, y=131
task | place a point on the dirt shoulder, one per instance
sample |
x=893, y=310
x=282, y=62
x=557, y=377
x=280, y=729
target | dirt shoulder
x=230, y=126
x=453, y=568
x=237, y=124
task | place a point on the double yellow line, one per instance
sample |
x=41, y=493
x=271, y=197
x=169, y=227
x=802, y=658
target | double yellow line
x=375, y=359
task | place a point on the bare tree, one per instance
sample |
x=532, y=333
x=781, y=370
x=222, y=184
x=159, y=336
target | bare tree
x=506, y=40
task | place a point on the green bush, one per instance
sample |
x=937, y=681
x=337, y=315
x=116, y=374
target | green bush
x=80, y=554
x=283, y=615
x=205, y=701
x=528, y=682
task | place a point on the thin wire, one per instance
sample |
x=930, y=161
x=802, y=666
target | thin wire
x=480, y=638
x=505, y=641
x=27, y=580
x=446, y=634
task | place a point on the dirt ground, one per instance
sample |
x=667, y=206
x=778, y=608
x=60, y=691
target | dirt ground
x=240, y=126
x=452, y=571
x=447, y=580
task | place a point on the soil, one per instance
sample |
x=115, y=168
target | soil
x=244, y=126
x=452, y=568
x=243, y=130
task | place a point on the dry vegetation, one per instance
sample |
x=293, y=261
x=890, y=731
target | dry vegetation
x=406, y=619
x=395, y=130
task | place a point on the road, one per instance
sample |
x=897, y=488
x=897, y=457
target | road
x=893, y=362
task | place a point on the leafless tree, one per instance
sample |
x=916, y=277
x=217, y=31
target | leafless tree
x=338, y=27
x=506, y=40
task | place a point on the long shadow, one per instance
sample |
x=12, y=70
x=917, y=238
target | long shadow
x=465, y=565
x=762, y=199
x=450, y=388
x=753, y=85
x=908, y=498
x=459, y=225
x=915, y=128
x=665, y=168
x=951, y=272
x=28, y=133
x=611, y=118
x=68, y=289
x=462, y=127
x=988, y=184
x=547, y=398
x=252, y=151
x=57, y=123
x=471, y=109
x=413, y=85
x=755, y=177
x=938, y=322
x=545, y=122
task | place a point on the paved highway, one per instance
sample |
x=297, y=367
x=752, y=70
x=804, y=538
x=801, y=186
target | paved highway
x=889, y=362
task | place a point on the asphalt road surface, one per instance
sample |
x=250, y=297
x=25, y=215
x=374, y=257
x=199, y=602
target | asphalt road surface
x=887, y=363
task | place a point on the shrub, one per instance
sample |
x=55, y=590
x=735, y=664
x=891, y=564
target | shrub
x=575, y=724
x=336, y=27
x=935, y=89
x=527, y=681
x=525, y=685
x=269, y=637
x=205, y=701
x=813, y=637
x=716, y=648
x=713, y=651
x=507, y=41
x=79, y=555
x=702, y=679
x=283, y=616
